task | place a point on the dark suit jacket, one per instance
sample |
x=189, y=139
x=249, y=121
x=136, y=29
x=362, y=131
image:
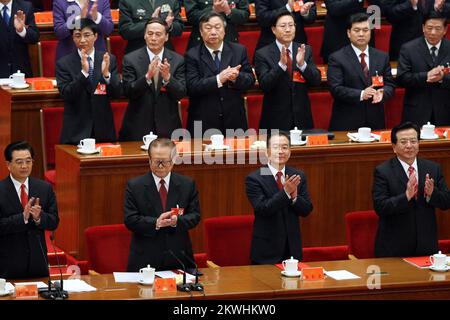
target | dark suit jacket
x=195, y=9
x=150, y=110
x=424, y=100
x=267, y=10
x=286, y=103
x=276, y=218
x=13, y=48
x=346, y=81
x=84, y=111
x=20, y=253
x=143, y=207
x=134, y=14
x=206, y=101
x=407, y=228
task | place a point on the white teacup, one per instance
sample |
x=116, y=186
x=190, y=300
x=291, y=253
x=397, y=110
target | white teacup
x=364, y=133
x=147, y=139
x=296, y=136
x=428, y=130
x=438, y=260
x=2, y=285
x=18, y=78
x=217, y=140
x=87, y=144
x=147, y=275
x=290, y=266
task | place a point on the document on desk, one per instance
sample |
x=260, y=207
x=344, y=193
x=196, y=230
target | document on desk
x=342, y=275
x=171, y=274
x=76, y=285
x=132, y=277
x=39, y=284
x=5, y=81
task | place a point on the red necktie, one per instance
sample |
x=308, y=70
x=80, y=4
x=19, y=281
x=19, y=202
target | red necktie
x=279, y=183
x=364, y=67
x=23, y=196
x=289, y=62
x=163, y=194
x=411, y=172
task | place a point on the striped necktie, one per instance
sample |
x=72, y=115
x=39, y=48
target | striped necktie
x=5, y=15
x=91, y=69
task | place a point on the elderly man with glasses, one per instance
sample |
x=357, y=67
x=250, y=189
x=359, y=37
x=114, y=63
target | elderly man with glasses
x=160, y=209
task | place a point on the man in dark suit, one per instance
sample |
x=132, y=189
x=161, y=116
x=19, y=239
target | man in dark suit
x=154, y=81
x=421, y=70
x=27, y=209
x=17, y=31
x=134, y=16
x=87, y=80
x=406, y=190
x=267, y=12
x=279, y=196
x=358, y=100
x=234, y=12
x=285, y=80
x=217, y=73
x=148, y=203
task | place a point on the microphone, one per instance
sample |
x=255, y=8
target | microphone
x=196, y=286
x=64, y=294
x=45, y=293
x=181, y=287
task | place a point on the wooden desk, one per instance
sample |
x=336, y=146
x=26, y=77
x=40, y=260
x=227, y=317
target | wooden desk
x=90, y=189
x=402, y=281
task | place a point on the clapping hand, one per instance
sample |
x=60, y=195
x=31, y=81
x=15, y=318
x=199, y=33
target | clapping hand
x=19, y=21
x=301, y=55
x=164, y=69
x=429, y=185
x=105, y=65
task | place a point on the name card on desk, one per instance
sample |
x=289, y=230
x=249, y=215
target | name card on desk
x=115, y=15
x=111, y=150
x=385, y=136
x=317, y=140
x=43, y=17
x=313, y=274
x=165, y=285
x=40, y=83
x=28, y=291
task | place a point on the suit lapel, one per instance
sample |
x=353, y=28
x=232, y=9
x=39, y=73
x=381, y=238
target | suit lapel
x=423, y=49
x=174, y=192
x=206, y=57
x=422, y=171
x=144, y=60
x=227, y=55
x=14, y=197
x=98, y=59
x=399, y=172
x=353, y=59
x=269, y=180
x=443, y=51
x=152, y=195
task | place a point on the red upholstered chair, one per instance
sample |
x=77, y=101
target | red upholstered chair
x=382, y=37
x=315, y=37
x=118, y=109
x=249, y=39
x=444, y=246
x=228, y=238
x=51, y=126
x=116, y=45
x=361, y=228
x=47, y=57
x=254, y=109
x=325, y=253
x=321, y=107
x=393, y=108
x=47, y=5
x=183, y=106
x=180, y=43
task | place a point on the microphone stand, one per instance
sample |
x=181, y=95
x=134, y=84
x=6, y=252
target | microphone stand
x=181, y=287
x=197, y=286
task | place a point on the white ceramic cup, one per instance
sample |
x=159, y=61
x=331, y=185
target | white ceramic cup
x=147, y=274
x=87, y=144
x=2, y=285
x=290, y=266
x=296, y=136
x=147, y=139
x=428, y=130
x=364, y=133
x=438, y=260
x=18, y=78
x=217, y=140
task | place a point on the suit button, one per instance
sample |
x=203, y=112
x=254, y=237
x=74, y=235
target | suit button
x=221, y=99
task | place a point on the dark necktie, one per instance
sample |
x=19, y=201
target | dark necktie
x=23, y=196
x=91, y=70
x=279, y=183
x=433, y=55
x=289, y=62
x=364, y=67
x=5, y=15
x=156, y=76
x=163, y=194
x=217, y=60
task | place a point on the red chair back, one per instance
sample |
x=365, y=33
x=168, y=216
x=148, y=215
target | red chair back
x=117, y=46
x=325, y=253
x=47, y=5
x=382, y=37
x=183, y=109
x=361, y=228
x=315, y=37
x=393, y=108
x=118, y=109
x=254, y=109
x=108, y=247
x=228, y=239
x=47, y=58
x=180, y=43
x=249, y=39
x=444, y=246
x=321, y=107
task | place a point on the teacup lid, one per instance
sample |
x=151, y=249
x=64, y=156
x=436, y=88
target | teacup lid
x=439, y=254
x=19, y=73
x=152, y=136
x=295, y=130
x=291, y=259
x=428, y=125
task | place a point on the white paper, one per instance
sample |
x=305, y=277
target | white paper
x=171, y=274
x=132, y=277
x=77, y=285
x=39, y=284
x=5, y=81
x=341, y=275
x=9, y=287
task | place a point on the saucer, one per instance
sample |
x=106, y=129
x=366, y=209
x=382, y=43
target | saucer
x=302, y=143
x=445, y=269
x=291, y=275
x=97, y=150
x=144, y=147
x=5, y=293
x=145, y=283
x=354, y=137
x=429, y=138
x=20, y=86
x=223, y=147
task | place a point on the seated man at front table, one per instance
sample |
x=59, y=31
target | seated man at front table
x=279, y=196
x=87, y=80
x=406, y=191
x=27, y=209
x=157, y=233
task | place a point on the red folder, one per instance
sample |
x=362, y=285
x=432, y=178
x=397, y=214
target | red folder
x=419, y=262
x=301, y=265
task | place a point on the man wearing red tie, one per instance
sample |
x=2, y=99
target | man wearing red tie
x=279, y=196
x=149, y=215
x=27, y=209
x=406, y=190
